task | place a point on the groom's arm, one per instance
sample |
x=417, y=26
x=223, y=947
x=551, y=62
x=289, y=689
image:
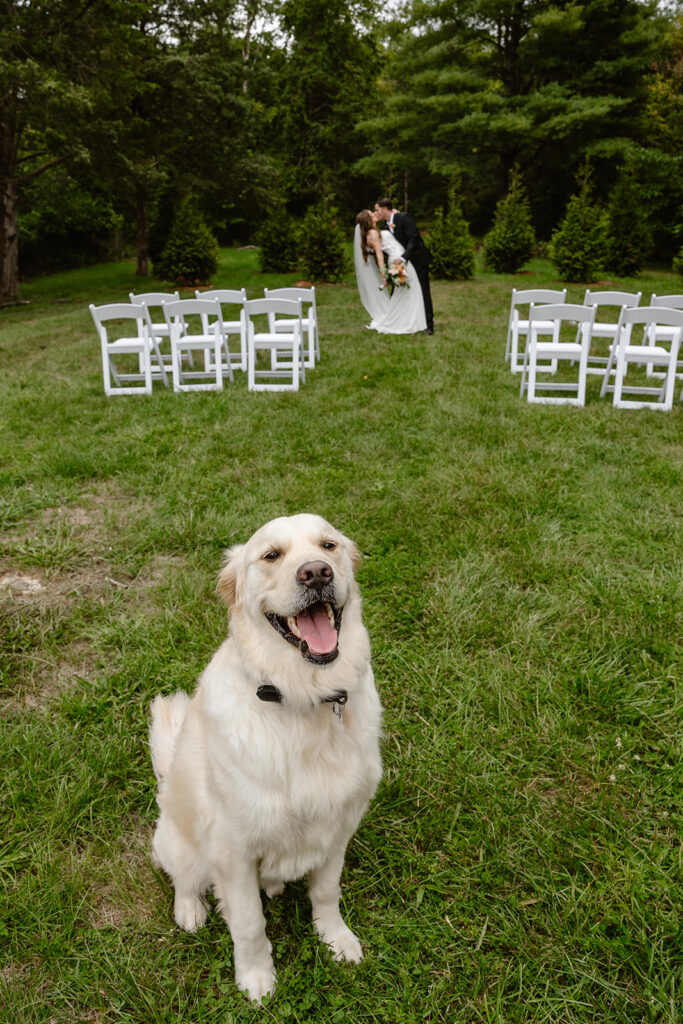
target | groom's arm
x=412, y=236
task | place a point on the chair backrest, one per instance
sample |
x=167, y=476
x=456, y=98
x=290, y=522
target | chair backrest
x=258, y=307
x=664, y=315
x=307, y=295
x=670, y=301
x=536, y=295
x=154, y=298
x=188, y=307
x=235, y=295
x=568, y=311
x=629, y=299
x=117, y=311
x=176, y=312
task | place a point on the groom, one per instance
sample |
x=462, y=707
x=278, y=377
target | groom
x=404, y=228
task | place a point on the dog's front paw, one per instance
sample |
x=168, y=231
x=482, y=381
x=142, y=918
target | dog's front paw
x=189, y=912
x=256, y=983
x=344, y=946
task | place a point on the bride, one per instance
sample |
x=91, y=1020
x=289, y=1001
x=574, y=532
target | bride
x=402, y=312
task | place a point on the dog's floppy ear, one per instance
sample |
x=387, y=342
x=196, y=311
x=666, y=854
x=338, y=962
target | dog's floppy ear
x=354, y=553
x=230, y=583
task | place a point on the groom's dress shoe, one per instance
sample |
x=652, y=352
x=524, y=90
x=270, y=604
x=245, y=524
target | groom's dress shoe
x=430, y=330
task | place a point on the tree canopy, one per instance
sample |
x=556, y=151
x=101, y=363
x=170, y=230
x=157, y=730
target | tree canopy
x=113, y=112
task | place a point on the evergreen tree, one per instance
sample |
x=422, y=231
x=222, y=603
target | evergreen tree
x=578, y=246
x=190, y=256
x=278, y=242
x=510, y=242
x=477, y=86
x=628, y=236
x=450, y=243
x=323, y=255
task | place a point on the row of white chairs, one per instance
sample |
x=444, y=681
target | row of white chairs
x=553, y=330
x=170, y=331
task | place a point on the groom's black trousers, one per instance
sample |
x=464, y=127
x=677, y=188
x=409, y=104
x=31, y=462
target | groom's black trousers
x=423, y=277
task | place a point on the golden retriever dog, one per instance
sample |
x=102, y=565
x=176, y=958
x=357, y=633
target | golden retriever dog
x=264, y=774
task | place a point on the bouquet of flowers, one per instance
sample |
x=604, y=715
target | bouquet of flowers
x=395, y=276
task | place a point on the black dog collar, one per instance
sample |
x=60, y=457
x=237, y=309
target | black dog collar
x=272, y=695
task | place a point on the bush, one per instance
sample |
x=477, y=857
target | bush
x=578, y=246
x=628, y=236
x=190, y=256
x=279, y=243
x=451, y=245
x=323, y=255
x=511, y=241
x=678, y=263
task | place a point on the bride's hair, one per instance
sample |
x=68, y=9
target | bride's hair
x=367, y=223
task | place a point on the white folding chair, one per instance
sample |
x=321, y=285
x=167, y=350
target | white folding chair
x=231, y=297
x=608, y=307
x=192, y=329
x=110, y=320
x=153, y=303
x=518, y=326
x=561, y=345
x=660, y=332
x=290, y=366
x=664, y=355
x=309, y=318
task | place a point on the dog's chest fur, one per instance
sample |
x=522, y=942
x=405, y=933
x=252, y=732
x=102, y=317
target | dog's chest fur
x=290, y=782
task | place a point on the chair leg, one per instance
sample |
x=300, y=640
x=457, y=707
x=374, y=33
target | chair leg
x=618, y=379
x=531, y=382
x=176, y=357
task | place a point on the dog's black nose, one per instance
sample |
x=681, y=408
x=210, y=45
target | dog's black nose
x=315, y=574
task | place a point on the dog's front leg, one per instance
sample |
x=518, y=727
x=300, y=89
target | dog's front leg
x=237, y=889
x=323, y=888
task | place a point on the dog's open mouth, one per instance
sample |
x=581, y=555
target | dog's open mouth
x=314, y=630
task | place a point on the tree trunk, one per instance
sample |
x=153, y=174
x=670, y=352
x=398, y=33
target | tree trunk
x=142, y=267
x=9, y=242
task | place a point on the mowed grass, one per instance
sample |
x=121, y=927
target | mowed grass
x=522, y=860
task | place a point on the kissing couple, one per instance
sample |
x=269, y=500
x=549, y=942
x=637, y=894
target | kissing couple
x=392, y=271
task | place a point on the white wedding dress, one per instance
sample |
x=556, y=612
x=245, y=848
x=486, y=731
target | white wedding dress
x=400, y=313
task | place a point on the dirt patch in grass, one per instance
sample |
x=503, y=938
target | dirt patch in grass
x=125, y=893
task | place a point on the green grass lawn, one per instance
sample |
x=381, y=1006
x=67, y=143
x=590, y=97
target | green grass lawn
x=522, y=861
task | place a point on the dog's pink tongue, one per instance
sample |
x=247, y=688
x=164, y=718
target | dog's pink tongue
x=316, y=630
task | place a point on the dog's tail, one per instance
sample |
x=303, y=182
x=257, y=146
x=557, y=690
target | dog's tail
x=168, y=715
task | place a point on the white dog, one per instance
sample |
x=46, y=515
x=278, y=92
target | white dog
x=265, y=773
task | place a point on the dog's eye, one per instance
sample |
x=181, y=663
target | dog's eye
x=271, y=556
x=329, y=545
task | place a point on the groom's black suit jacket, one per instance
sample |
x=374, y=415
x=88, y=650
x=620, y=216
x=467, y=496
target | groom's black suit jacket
x=408, y=234
x=417, y=253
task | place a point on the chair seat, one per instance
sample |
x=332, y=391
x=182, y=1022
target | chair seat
x=541, y=325
x=127, y=345
x=197, y=340
x=228, y=325
x=647, y=353
x=286, y=325
x=272, y=339
x=604, y=330
x=559, y=350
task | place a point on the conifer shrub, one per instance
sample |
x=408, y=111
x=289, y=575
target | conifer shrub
x=511, y=241
x=578, y=246
x=190, y=256
x=450, y=244
x=323, y=255
x=628, y=235
x=677, y=266
x=278, y=242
